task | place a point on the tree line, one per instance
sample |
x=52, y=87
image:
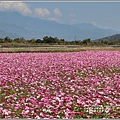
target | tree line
x=56, y=41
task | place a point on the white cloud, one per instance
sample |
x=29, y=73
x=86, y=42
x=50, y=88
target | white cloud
x=46, y=14
x=24, y=9
x=42, y=12
x=57, y=12
x=54, y=19
x=15, y=6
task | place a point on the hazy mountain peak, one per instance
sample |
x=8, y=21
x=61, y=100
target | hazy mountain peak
x=29, y=27
x=86, y=26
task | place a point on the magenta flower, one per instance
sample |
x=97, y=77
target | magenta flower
x=60, y=85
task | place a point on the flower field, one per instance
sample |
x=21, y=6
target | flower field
x=60, y=85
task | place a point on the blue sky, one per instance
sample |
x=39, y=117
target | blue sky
x=101, y=14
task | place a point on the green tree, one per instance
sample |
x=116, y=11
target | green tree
x=86, y=41
x=32, y=40
x=7, y=39
x=1, y=40
x=39, y=41
x=20, y=40
x=62, y=41
x=45, y=39
x=56, y=40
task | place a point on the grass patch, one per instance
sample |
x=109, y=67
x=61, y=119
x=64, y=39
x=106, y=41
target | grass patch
x=52, y=49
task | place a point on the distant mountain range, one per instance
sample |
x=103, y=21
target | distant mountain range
x=15, y=25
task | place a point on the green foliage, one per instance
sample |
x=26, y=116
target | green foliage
x=1, y=40
x=7, y=39
x=86, y=41
x=19, y=40
x=48, y=40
